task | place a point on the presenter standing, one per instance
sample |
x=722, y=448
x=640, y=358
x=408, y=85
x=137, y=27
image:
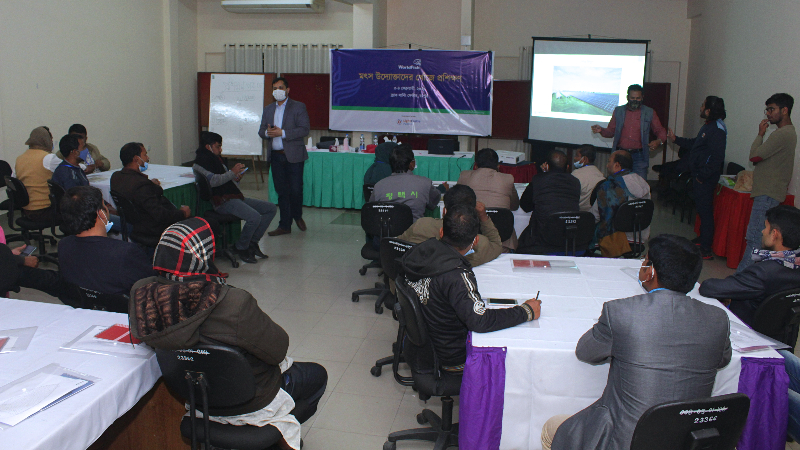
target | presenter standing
x=284, y=125
x=630, y=127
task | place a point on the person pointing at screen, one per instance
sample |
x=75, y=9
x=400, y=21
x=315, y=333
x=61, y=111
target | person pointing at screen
x=630, y=127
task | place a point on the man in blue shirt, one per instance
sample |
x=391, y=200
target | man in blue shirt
x=69, y=174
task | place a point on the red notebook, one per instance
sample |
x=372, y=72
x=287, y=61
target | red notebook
x=118, y=333
x=530, y=264
x=3, y=342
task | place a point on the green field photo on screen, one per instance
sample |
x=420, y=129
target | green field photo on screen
x=568, y=104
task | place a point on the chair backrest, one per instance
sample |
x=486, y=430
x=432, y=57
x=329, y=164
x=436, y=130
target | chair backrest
x=17, y=193
x=714, y=423
x=411, y=317
x=56, y=194
x=203, y=187
x=503, y=220
x=385, y=219
x=634, y=215
x=573, y=230
x=733, y=169
x=595, y=190
x=392, y=249
x=104, y=302
x=227, y=373
x=367, y=189
x=778, y=316
x=127, y=213
x=5, y=171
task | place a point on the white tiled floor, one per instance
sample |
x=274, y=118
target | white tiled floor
x=306, y=286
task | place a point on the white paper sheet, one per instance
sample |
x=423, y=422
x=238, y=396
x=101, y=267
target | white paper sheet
x=30, y=396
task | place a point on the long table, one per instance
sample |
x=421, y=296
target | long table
x=75, y=423
x=530, y=373
x=336, y=180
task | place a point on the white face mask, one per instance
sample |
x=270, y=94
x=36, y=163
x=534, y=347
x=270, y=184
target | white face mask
x=279, y=95
x=108, y=223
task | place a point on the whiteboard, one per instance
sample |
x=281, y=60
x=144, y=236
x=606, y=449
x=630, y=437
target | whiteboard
x=236, y=103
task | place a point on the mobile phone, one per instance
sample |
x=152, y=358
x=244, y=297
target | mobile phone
x=501, y=301
x=28, y=251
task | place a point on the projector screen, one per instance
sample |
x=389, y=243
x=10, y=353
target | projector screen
x=576, y=83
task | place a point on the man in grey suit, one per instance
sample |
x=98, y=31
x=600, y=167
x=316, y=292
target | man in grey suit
x=663, y=346
x=284, y=125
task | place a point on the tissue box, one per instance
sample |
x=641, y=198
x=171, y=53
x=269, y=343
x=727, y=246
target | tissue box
x=507, y=157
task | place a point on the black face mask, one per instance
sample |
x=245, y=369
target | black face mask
x=633, y=105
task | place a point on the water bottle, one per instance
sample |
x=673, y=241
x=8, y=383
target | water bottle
x=346, y=143
x=394, y=139
x=375, y=139
x=362, y=146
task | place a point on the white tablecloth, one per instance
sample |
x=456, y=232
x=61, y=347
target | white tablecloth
x=78, y=421
x=169, y=176
x=543, y=376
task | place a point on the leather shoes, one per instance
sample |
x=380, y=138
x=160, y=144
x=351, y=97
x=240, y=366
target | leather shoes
x=257, y=251
x=246, y=256
x=301, y=224
x=279, y=231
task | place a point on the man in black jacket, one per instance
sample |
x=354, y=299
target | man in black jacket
x=228, y=199
x=777, y=268
x=706, y=158
x=443, y=280
x=551, y=190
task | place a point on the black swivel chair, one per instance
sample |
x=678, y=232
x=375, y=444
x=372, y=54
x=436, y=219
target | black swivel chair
x=367, y=191
x=381, y=219
x=503, y=220
x=29, y=229
x=429, y=379
x=392, y=249
x=714, y=423
x=56, y=194
x=733, y=169
x=778, y=317
x=5, y=205
x=679, y=195
x=214, y=378
x=204, y=194
x=634, y=216
x=569, y=229
x=128, y=214
x=90, y=299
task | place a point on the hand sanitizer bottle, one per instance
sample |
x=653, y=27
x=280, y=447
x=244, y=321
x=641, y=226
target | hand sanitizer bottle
x=375, y=139
x=394, y=139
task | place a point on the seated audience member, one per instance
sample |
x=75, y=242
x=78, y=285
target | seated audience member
x=88, y=257
x=189, y=303
x=155, y=210
x=402, y=186
x=381, y=168
x=663, y=346
x=488, y=245
x=18, y=271
x=33, y=168
x=493, y=188
x=68, y=174
x=622, y=185
x=90, y=154
x=587, y=173
x=228, y=199
x=777, y=268
x=550, y=191
x=442, y=277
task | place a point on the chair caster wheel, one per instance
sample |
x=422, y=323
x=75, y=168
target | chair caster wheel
x=421, y=419
x=362, y=271
x=355, y=297
x=375, y=371
x=379, y=309
x=235, y=264
x=389, y=445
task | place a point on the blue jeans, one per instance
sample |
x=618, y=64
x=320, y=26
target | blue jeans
x=758, y=214
x=792, y=364
x=288, y=180
x=257, y=215
x=641, y=161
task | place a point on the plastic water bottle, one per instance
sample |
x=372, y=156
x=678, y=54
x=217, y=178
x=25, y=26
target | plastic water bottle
x=346, y=143
x=394, y=139
x=362, y=146
x=375, y=139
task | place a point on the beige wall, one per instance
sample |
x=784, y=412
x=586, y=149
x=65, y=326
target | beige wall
x=428, y=23
x=743, y=51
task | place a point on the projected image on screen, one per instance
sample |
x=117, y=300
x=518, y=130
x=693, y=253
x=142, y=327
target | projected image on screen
x=585, y=90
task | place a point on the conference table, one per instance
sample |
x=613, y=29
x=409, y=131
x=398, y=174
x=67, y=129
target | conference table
x=336, y=179
x=516, y=379
x=731, y=217
x=79, y=420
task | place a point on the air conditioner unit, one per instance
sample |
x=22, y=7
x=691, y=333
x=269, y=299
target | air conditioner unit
x=274, y=6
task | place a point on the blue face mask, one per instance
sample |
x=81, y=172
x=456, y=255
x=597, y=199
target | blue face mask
x=144, y=167
x=109, y=224
x=578, y=164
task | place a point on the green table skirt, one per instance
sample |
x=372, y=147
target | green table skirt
x=336, y=180
x=187, y=195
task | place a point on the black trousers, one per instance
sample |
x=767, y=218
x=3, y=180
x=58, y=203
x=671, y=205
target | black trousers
x=704, y=200
x=306, y=383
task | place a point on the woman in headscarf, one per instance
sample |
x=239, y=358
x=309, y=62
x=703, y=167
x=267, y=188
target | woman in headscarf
x=380, y=169
x=190, y=303
x=33, y=168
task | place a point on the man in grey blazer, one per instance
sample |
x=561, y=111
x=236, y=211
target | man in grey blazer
x=284, y=125
x=663, y=346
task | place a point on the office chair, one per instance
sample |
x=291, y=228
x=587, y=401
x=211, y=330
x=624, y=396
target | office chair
x=367, y=191
x=503, y=220
x=634, y=216
x=5, y=205
x=381, y=219
x=429, y=379
x=56, y=194
x=714, y=423
x=130, y=215
x=778, y=317
x=679, y=195
x=392, y=249
x=29, y=229
x=90, y=299
x=214, y=378
x=570, y=229
x=733, y=169
x=204, y=194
